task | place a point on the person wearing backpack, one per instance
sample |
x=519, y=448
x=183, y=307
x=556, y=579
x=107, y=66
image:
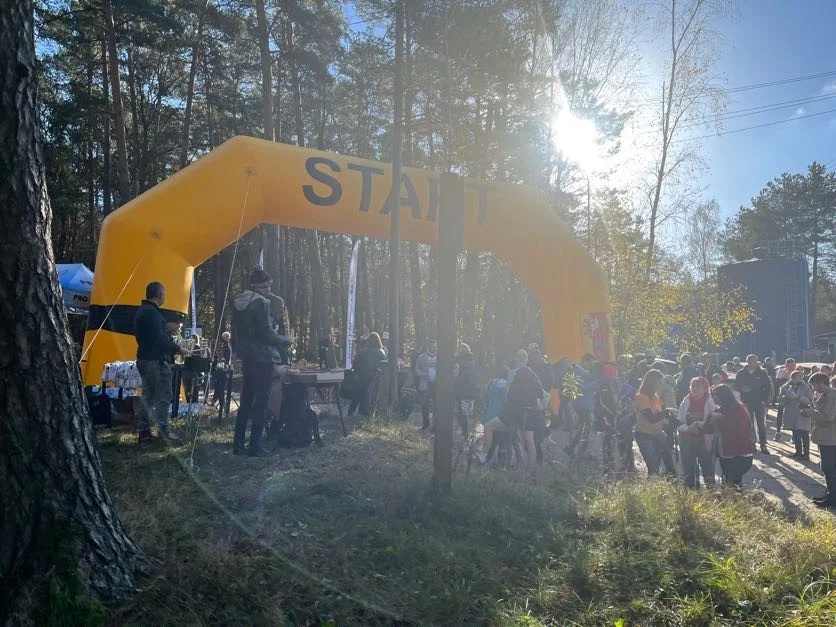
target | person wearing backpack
x=495, y=393
x=369, y=359
x=606, y=415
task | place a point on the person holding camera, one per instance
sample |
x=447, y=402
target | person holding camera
x=694, y=410
x=795, y=396
x=654, y=443
x=733, y=426
x=823, y=416
x=782, y=377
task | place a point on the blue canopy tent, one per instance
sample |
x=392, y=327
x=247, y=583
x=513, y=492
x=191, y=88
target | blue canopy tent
x=76, y=282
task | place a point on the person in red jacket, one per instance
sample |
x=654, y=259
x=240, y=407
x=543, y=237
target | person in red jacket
x=731, y=422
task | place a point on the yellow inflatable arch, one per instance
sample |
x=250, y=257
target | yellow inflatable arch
x=177, y=225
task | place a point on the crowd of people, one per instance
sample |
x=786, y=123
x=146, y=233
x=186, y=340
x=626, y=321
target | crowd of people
x=683, y=416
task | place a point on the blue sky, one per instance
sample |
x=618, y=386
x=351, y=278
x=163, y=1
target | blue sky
x=765, y=41
x=770, y=40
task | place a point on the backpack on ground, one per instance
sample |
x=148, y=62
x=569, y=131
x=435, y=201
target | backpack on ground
x=297, y=424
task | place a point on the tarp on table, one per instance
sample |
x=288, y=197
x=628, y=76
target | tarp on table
x=76, y=282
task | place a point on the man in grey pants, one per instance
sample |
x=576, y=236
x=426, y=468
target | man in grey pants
x=155, y=349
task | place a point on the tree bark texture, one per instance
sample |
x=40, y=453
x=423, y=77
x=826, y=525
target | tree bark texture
x=320, y=322
x=50, y=468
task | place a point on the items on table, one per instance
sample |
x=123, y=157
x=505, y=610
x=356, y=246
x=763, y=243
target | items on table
x=121, y=379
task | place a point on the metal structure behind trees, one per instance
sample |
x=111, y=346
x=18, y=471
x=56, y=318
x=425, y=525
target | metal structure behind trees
x=778, y=290
x=789, y=248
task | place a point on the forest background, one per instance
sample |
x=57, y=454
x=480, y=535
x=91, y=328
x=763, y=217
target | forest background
x=555, y=94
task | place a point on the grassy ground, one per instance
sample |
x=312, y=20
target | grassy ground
x=350, y=535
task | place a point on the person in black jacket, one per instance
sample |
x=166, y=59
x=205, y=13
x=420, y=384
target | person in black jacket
x=257, y=343
x=522, y=407
x=687, y=372
x=706, y=367
x=367, y=366
x=154, y=352
x=755, y=390
x=537, y=362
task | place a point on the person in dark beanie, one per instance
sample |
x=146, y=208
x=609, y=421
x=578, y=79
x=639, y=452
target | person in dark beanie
x=255, y=341
x=755, y=390
x=154, y=353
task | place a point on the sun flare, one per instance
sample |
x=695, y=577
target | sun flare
x=577, y=140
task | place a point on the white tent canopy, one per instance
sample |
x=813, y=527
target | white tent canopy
x=76, y=282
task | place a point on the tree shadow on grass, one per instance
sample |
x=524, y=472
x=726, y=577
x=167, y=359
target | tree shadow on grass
x=357, y=516
x=791, y=482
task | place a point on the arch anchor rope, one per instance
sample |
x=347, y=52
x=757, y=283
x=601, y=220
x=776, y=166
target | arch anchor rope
x=190, y=462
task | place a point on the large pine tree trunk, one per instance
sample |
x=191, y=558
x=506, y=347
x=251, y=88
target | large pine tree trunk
x=137, y=159
x=116, y=104
x=269, y=232
x=320, y=323
x=107, y=168
x=51, y=472
x=90, y=167
x=187, y=113
x=266, y=70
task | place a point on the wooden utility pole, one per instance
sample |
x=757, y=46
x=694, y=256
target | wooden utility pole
x=450, y=238
x=395, y=212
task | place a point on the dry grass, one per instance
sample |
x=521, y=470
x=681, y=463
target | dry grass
x=351, y=535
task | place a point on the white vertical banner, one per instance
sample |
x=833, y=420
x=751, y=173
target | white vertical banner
x=194, y=305
x=261, y=259
x=352, y=297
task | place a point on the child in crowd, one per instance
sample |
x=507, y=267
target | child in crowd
x=495, y=393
